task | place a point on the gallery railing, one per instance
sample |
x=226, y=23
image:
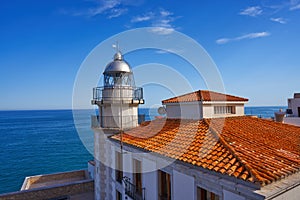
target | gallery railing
x=117, y=93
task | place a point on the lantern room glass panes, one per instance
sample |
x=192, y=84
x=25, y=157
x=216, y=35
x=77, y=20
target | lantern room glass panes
x=118, y=79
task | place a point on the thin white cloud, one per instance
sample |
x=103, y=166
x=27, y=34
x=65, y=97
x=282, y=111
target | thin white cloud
x=243, y=37
x=104, y=6
x=163, y=24
x=223, y=40
x=176, y=51
x=295, y=7
x=165, y=13
x=252, y=11
x=146, y=17
x=279, y=20
x=117, y=12
x=162, y=30
x=108, y=8
x=161, y=21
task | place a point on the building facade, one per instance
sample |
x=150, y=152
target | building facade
x=204, y=149
x=292, y=115
x=294, y=105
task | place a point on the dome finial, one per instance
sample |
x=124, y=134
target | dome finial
x=118, y=54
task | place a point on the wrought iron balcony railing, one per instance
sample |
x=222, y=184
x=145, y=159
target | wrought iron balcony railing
x=133, y=191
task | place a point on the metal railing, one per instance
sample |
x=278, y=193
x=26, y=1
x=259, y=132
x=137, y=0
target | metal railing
x=134, y=192
x=117, y=93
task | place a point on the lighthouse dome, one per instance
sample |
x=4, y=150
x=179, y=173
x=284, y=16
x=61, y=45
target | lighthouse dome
x=118, y=65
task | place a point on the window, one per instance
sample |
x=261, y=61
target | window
x=203, y=194
x=119, y=167
x=164, y=186
x=118, y=195
x=137, y=176
x=224, y=109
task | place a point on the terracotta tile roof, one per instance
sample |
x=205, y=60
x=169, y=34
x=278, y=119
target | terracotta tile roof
x=247, y=148
x=203, y=95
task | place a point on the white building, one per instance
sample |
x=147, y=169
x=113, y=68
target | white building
x=293, y=111
x=204, y=149
x=294, y=105
x=204, y=104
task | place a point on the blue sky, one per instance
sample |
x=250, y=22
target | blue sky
x=255, y=45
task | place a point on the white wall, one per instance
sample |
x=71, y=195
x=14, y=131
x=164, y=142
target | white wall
x=127, y=165
x=149, y=180
x=231, y=196
x=183, y=186
x=191, y=110
x=112, y=113
x=292, y=120
x=294, y=104
x=239, y=110
x=91, y=170
x=208, y=111
x=292, y=194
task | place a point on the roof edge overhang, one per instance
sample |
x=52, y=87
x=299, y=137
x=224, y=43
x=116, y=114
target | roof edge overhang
x=205, y=102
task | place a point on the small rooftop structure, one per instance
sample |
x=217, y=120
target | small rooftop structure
x=204, y=104
x=293, y=111
x=294, y=105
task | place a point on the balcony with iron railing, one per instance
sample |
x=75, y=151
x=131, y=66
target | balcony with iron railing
x=134, y=192
x=115, y=94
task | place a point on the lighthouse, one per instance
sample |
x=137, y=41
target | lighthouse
x=117, y=100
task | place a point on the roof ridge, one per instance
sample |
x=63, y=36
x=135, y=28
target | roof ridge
x=204, y=95
x=233, y=152
x=220, y=93
x=182, y=95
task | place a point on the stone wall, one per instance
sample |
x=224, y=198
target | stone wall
x=68, y=189
x=75, y=175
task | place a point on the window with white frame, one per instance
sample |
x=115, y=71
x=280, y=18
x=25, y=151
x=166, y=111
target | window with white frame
x=224, y=109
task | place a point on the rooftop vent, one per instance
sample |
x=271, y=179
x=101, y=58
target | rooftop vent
x=279, y=116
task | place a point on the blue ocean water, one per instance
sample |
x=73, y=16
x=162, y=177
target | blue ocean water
x=38, y=142
x=264, y=111
x=46, y=141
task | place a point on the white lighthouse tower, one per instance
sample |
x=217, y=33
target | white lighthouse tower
x=117, y=100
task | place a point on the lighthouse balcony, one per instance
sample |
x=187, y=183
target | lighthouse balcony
x=117, y=94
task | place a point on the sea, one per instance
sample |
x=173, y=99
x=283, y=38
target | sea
x=34, y=142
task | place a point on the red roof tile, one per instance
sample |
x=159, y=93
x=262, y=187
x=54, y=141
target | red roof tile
x=203, y=95
x=247, y=148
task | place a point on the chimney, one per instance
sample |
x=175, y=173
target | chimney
x=279, y=116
